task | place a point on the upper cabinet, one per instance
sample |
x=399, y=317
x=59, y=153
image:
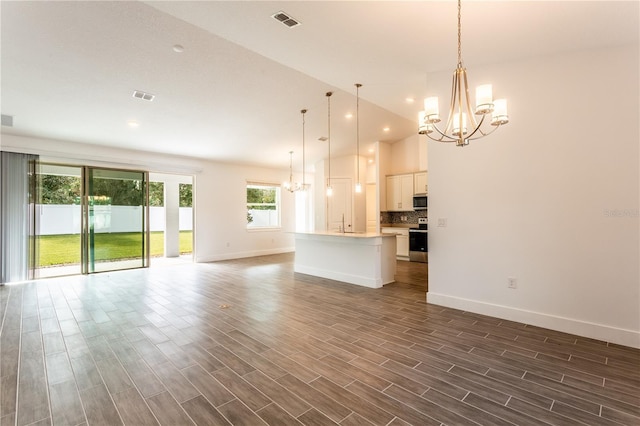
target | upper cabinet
x=400, y=192
x=420, y=183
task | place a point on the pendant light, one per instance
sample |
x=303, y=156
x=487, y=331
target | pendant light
x=358, y=185
x=304, y=185
x=329, y=189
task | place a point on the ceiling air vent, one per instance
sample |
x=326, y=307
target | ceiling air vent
x=143, y=95
x=285, y=19
x=7, y=120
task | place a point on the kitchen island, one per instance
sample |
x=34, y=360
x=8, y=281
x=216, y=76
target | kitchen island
x=366, y=259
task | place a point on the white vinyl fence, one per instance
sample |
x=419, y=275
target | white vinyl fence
x=65, y=219
x=263, y=218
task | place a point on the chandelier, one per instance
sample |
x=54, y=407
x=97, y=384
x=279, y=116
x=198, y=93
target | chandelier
x=291, y=186
x=461, y=126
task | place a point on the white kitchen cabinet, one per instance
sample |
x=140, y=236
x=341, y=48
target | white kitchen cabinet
x=400, y=193
x=420, y=183
x=402, y=244
x=402, y=241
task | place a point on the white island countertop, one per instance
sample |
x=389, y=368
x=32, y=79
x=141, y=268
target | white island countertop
x=367, y=259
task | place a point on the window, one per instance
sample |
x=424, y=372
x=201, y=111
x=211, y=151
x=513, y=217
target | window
x=186, y=195
x=263, y=205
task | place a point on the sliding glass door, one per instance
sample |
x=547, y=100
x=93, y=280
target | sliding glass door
x=58, y=220
x=89, y=219
x=114, y=220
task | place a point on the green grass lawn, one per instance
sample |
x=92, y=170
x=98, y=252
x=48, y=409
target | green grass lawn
x=65, y=249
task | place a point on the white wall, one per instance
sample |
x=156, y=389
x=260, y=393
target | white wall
x=221, y=214
x=534, y=200
x=219, y=194
x=383, y=166
x=408, y=155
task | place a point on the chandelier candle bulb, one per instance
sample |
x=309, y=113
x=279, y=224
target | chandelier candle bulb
x=431, y=110
x=484, y=99
x=423, y=127
x=456, y=124
x=499, y=115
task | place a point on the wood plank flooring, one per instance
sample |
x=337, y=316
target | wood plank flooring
x=249, y=342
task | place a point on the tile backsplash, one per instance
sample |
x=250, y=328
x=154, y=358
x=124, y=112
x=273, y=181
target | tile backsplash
x=396, y=217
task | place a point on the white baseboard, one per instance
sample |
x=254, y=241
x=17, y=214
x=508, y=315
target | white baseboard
x=567, y=325
x=244, y=254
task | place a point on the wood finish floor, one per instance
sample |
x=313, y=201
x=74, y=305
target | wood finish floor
x=249, y=342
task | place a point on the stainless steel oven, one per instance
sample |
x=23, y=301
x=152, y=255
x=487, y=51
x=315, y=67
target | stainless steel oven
x=418, y=242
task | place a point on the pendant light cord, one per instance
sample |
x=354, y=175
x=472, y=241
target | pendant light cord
x=303, y=170
x=329, y=134
x=358, y=85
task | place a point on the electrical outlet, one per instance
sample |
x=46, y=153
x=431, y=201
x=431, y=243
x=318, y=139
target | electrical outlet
x=512, y=282
x=442, y=222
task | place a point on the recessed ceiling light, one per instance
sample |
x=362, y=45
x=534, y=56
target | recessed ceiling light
x=370, y=160
x=410, y=100
x=371, y=150
x=348, y=115
x=133, y=123
x=178, y=48
x=386, y=129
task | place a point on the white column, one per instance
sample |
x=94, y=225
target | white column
x=172, y=218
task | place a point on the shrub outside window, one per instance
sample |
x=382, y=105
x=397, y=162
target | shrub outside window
x=263, y=205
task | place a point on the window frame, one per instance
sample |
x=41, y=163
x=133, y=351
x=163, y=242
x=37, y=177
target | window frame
x=277, y=204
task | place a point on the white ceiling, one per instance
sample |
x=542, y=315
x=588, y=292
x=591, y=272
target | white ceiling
x=235, y=93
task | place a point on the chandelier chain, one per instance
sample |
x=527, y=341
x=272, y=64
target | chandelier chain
x=459, y=34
